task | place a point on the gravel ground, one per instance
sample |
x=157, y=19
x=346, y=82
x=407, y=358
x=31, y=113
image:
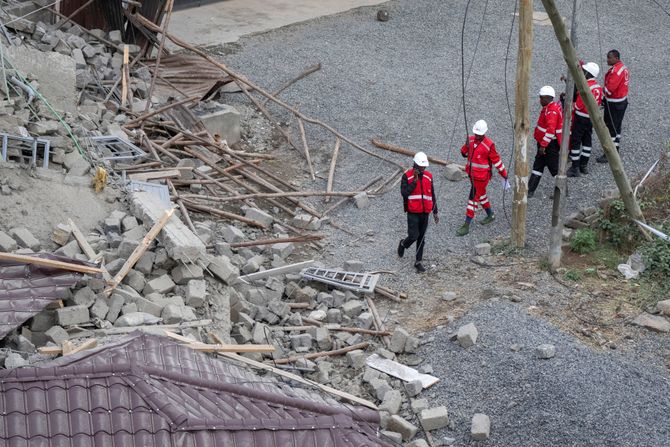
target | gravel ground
x=400, y=81
x=580, y=397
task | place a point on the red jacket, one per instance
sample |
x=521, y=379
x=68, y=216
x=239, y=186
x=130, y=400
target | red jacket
x=420, y=200
x=616, y=83
x=596, y=91
x=482, y=157
x=549, y=124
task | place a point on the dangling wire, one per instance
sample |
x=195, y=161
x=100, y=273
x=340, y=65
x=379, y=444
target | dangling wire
x=509, y=109
x=602, y=63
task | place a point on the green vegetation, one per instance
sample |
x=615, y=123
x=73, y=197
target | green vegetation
x=573, y=275
x=584, y=240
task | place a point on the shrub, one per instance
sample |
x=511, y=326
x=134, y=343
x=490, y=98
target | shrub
x=572, y=275
x=656, y=254
x=585, y=240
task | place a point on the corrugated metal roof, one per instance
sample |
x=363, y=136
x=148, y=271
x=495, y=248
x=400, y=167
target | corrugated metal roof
x=26, y=289
x=147, y=390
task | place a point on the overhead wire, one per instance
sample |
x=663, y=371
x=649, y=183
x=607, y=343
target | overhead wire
x=662, y=7
x=509, y=109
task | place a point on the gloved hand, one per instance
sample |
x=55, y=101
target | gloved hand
x=505, y=184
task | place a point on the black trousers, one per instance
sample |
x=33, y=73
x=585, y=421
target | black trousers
x=580, y=140
x=548, y=159
x=613, y=115
x=417, y=223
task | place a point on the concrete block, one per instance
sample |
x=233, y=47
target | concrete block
x=413, y=388
x=61, y=234
x=223, y=269
x=99, y=309
x=334, y=316
x=57, y=334
x=305, y=295
x=162, y=284
x=654, y=323
x=398, y=340
x=43, y=321
x=356, y=358
x=184, y=273
x=663, y=307
x=25, y=238
x=115, y=266
x=71, y=315
x=260, y=333
x=126, y=247
x=180, y=242
x=412, y=344
x=395, y=438
x=225, y=122
x=361, y=200
x=176, y=314
x=339, y=298
x=418, y=405
x=400, y=425
x=418, y=443
x=467, y=335
x=145, y=263
x=241, y=334
x=114, y=304
x=279, y=308
x=136, y=280
x=84, y=297
x=7, y=244
x=306, y=222
x=353, y=266
x=15, y=360
x=322, y=339
x=392, y=402
x=545, y=351
x=196, y=292
x=128, y=308
x=454, y=173
x=352, y=308
x=259, y=216
x=232, y=234
x=434, y=418
x=135, y=234
x=283, y=249
x=481, y=427
x=483, y=249
x=301, y=342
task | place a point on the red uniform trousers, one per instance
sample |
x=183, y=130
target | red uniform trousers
x=477, y=196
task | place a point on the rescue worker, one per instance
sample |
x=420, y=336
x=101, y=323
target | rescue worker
x=616, y=98
x=481, y=156
x=419, y=199
x=548, y=136
x=582, y=128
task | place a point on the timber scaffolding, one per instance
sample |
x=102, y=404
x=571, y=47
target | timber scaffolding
x=232, y=180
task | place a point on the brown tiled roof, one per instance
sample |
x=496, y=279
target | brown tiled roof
x=150, y=391
x=26, y=289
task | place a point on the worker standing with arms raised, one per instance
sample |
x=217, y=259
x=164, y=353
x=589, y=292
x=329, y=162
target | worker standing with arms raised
x=582, y=128
x=418, y=193
x=616, y=98
x=482, y=157
x=548, y=136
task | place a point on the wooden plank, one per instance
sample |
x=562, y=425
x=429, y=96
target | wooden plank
x=88, y=344
x=316, y=355
x=139, y=251
x=219, y=347
x=25, y=259
x=152, y=175
x=81, y=240
x=287, y=375
x=277, y=271
x=68, y=348
x=400, y=371
x=403, y=151
x=151, y=329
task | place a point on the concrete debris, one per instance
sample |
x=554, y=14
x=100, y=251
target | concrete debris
x=652, y=322
x=481, y=427
x=545, y=351
x=434, y=418
x=400, y=425
x=467, y=335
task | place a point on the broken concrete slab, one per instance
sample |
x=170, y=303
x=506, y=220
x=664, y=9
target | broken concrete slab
x=180, y=242
x=467, y=335
x=224, y=122
x=400, y=425
x=223, y=269
x=71, y=315
x=25, y=238
x=434, y=418
x=480, y=428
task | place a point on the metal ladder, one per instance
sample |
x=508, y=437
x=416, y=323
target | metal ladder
x=358, y=282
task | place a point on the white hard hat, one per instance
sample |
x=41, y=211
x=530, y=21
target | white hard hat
x=547, y=90
x=592, y=68
x=480, y=127
x=421, y=159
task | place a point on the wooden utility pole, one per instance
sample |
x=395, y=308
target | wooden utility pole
x=561, y=186
x=570, y=55
x=522, y=123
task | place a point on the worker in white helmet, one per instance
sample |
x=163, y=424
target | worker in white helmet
x=418, y=193
x=548, y=132
x=482, y=157
x=582, y=128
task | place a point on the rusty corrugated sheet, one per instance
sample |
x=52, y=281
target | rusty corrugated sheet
x=189, y=75
x=26, y=289
x=150, y=391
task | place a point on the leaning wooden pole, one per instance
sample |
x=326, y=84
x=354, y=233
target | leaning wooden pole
x=522, y=123
x=561, y=186
x=570, y=55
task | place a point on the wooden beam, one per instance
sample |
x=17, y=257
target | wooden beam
x=277, y=271
x=144, y=176
x=68, y=348
x=403, y=151
x=331, y=171
x=287, y=375
x=316, y=355
x=522, y=124
x=25, y=259
x=139, y=251
x=219, y=347
x=149, y=328
x=81, y=240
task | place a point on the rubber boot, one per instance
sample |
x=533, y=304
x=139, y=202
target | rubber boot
x=488, y=219
x=574, y=169
x=463, y=230
x=533, y=183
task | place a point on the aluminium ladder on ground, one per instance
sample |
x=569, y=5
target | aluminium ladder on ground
x=26, y=145
x=357, y=282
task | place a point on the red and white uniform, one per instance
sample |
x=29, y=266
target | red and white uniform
x=616, y=83
x=549, y=124
x=420, y=199
x=482, y=157
x=596, y=91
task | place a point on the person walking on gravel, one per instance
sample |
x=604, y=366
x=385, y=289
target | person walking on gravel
x=582, y=128
x=548, y=136
x=482, y=157
x=418, y=193
x=616, y=98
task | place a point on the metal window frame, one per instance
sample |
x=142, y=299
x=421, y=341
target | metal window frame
x=132, y=152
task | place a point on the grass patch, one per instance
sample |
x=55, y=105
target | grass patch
x=584, y=240
x=573, y=275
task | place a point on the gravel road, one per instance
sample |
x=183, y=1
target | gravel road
x=400, y=81
x=581, y=397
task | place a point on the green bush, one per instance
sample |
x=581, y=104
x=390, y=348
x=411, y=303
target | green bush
x=584, y=240
x=656, y=254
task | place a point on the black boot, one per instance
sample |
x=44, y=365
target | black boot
x=574, y=169
x=401, y=248
x=583, y=165
x=533, y=182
